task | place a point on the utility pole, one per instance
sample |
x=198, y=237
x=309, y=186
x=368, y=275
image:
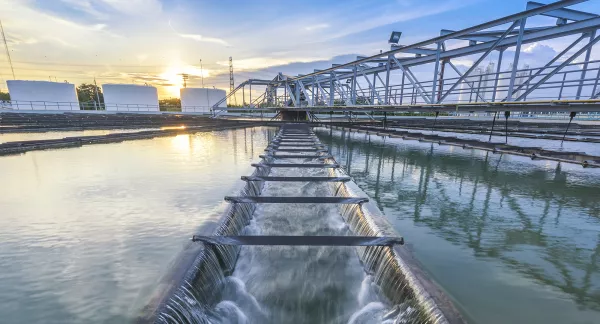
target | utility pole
x=201, y=73
x=185, y=77
x=7, y=51
x=231, y=83
x=97, y=95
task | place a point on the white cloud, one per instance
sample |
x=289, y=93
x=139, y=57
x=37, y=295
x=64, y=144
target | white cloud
x=201, y=38
x=85, y=6
x=256, y=63
x=316, y=27
x=135, y=7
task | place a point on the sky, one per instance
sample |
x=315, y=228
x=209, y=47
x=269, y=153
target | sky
x=154, y=41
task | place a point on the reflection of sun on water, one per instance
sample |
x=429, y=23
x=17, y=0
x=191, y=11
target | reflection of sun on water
x=181, y=143
x=172, y=127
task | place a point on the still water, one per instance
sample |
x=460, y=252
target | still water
x=553, y=145
x=87, y=232
x=511, y=240
x=12, y=137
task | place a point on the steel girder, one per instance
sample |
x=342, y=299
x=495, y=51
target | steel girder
x=481, y=41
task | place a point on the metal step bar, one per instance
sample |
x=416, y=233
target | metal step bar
x=278, y=240
x=295, y=200
x=285, y=156
x=296, y=165
x=297, y=179
x=296, y=149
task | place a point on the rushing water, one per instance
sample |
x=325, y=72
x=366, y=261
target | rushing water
x=86, y=232
x=511, y=240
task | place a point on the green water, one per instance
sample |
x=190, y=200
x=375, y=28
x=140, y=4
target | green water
x=509, y=239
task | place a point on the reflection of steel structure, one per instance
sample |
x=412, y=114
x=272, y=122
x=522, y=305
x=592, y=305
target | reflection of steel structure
x=430, y=81
x=387, y=169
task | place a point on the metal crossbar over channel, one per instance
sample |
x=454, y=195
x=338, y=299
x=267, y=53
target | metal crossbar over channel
x=299, y=240
x=295, y=200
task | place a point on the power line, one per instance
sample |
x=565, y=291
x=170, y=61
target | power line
x=7, y=51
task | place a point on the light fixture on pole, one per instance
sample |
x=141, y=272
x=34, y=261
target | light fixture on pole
x=395, y=37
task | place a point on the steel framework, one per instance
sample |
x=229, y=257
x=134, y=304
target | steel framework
x=428, y=80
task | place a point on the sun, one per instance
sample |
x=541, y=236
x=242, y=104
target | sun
x=172, y=76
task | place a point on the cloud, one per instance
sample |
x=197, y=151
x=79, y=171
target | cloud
x=135, y=7
x=316, y=27
x=201, y=38
x=258, y=63
x=86, y=6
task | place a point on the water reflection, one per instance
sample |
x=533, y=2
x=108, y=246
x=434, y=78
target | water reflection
x=85, y=230
x=539, y=220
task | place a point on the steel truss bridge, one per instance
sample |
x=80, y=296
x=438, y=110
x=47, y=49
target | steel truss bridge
x=422, y=77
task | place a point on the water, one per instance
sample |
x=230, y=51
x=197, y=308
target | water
x=553, y=145
x=86, y=232
x=300, y=284
x=510, y=239
x=12, y=137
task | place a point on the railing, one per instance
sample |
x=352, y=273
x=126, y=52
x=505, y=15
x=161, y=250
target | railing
x=22, y=105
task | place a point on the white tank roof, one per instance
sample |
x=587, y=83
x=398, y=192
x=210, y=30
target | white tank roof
x=42, y=95
x=130, y=97
x=201, y=99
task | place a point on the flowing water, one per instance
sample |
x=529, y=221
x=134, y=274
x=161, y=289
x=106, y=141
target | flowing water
x=86, y=232
x=275, y=284
x=511, y=240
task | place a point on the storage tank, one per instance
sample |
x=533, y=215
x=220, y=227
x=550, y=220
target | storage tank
x=42, y=95
x=200, y=99
x=130, y=97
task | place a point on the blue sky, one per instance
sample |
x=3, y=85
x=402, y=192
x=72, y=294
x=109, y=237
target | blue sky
x=125, y=41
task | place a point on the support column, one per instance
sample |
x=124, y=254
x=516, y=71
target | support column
x=513, y=73
x=387, y=80
x=585, y=66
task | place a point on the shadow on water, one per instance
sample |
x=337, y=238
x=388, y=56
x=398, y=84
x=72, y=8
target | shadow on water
x=537, y=219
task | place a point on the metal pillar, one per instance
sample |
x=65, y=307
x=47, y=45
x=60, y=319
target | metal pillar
x=435, y=71
x=585, y=66
x=331, y=90
x=387, y=80
x=513, y=73
x=500, y=52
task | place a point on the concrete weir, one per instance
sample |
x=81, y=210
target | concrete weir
x=330, y=238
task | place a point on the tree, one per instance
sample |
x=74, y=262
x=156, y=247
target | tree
x=4, y=96
x=86, y=93
x=170, y=104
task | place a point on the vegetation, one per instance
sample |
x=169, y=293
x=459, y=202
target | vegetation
x=169, y=104
x=4, y=96
x=90, y=96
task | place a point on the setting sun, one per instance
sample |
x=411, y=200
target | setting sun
x=173, y=77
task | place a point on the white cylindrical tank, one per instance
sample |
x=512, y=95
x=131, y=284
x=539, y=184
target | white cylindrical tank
x=200, y=99
x=130, y=97
x=42, y=95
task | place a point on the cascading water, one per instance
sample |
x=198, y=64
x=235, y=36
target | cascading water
x=296, y=284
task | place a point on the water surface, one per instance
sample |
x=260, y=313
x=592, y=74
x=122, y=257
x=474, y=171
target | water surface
x=25, y=136
x=511, y=240
x=86, y=232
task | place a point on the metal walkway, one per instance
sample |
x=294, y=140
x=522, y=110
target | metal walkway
x=296, y=138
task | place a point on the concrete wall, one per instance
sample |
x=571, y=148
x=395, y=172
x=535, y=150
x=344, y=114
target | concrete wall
x=42, y=95
x=130, y=97
x=200, y=99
